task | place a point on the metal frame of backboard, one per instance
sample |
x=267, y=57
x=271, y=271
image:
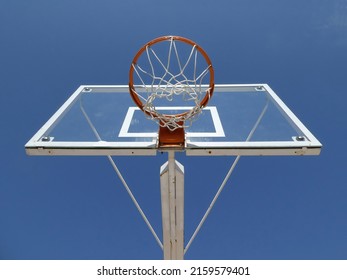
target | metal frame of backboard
x=308, y=145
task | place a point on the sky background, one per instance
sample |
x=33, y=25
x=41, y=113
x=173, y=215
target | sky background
x=76, y=208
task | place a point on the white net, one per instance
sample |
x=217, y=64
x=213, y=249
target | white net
x=171, y=74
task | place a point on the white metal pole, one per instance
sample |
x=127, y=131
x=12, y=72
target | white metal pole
x=172, y=201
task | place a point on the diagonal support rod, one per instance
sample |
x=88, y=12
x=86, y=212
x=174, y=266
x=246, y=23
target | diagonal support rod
x=135, y=201
x=226, y=179
x=212, y=203
x=122, y=179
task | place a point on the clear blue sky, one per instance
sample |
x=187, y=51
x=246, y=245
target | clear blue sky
x=76, y=207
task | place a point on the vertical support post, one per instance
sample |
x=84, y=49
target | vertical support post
x=172, y=204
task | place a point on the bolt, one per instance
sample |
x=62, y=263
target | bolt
x=46, y=139
x=300, y=138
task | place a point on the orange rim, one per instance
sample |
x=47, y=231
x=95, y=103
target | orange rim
x=133, y=92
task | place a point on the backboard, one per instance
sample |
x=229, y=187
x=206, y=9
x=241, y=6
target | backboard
x=243, y=119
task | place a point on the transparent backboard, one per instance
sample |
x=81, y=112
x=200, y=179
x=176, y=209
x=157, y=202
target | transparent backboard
x=239, y=120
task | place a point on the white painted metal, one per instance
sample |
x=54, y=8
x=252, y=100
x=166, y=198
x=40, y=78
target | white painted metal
x=172, y=201
x=91, y=151
x=268, y=151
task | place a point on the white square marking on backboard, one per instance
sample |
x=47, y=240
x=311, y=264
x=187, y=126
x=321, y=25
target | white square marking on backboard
x=218, y=128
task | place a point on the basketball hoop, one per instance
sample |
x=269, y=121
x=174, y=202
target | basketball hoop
x=165, y=71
